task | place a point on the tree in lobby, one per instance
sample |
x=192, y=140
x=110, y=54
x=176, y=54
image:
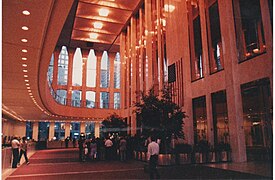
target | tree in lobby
x=114, y=125
x=161, y=116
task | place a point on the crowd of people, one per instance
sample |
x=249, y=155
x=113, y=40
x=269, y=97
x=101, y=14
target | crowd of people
x=116, y=148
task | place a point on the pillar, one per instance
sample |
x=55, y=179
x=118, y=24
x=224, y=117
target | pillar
x=82, y=127
x=35, y=131
x=51, y=131
x=97, y=129
x=67, y=129
x=19, y=129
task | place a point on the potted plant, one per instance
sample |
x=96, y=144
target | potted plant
x=161, y=116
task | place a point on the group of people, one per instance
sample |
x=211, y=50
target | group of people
x=19, y=149
x=102, y=149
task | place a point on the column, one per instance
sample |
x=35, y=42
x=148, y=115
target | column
x=51, y=131
x=82, y=127
x=67, y=129
x=85, y=54
x=97, y=129
x=35, y=131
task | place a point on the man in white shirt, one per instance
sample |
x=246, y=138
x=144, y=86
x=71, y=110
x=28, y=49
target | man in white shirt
x=152, y=154
x=15, y=144
x=108, y=145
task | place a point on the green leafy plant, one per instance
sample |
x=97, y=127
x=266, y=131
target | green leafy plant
x=114, y=124
x=160, y=115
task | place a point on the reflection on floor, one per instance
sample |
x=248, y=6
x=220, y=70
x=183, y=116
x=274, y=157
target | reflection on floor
x=262, y=168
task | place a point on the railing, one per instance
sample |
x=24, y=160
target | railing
x=80, y=103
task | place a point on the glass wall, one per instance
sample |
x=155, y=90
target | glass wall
x=77, y=68
x=61, y=96
x=91, y=69
x=104, y=100
x=75, y=130
x=90, y=99
x=199, y=119
x=29, y=130
x=220, y=117
x=59, y=130
x=116, y=100
x=117, y=71
x=214, y=37
x=76, y=98
x=257, y=113
x=43, y=131
x=90, y=129
x=249, y=28
x=196, y=42
x=63, y=66
x=105, y=70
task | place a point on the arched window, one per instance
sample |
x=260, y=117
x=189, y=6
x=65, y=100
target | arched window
x=105, y=74
x=91, y=69
x=63, y=66
x=77, y=68
x=117, y=71
x=90, y=99
x=50, y=69
x=61, y=96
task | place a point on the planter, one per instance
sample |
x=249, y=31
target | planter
x=166, y=159
x=212, y=157
x=143, y=156
x=200, y=158
x=184, y=158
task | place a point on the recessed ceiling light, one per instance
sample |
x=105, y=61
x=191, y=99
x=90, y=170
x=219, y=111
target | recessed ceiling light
x=103, y=12
x=93, y=35
x=28, y=87
x=25, y=75
x=24, y=50
x=24, y=59
x=24, y=40
x=25, y=28
x=169, y=8
x=25, y=70
x=25, y=12
x=98, y=25
x=26, y=80
x=29, y=90
x=24, y=65
x=27, y=84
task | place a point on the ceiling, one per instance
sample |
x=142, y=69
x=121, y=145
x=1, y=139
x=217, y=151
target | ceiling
x=21, y=61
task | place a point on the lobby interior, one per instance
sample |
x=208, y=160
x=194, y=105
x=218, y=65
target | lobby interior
x=67, y=65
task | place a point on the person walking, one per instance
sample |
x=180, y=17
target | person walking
x=23, y=150
x=152, y=154
x=122, y=148
x=15, y=144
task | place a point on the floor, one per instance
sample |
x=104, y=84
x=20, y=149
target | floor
x=63, y=164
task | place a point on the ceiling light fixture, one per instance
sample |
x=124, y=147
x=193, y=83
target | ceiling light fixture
x=98, y=25
x=25, y=76
x=24, y=70
x=24, y=59
x=169, y=8
x=25, y=12
x=103, y=12
x=93, y=35
x=24, y=65
x=25, y=28
x=24, y=40
x=26, y=80
x=24, y=50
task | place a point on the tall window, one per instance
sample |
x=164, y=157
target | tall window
x=43, y=131
x=116, y=100
x=90, y=99
x=117, y=71
x=249, y=28
x=196, y=43
x=105, y=74
x=220, y=117
x=91, y=69
x=50, y=70
x=59, y=130
x=63, y=60
x=77, y=68
x=199, y=119
x=214, y=38
x=76, y=98
x=90, y=129
x=61, y=96
x=257, y=113
x=75, y=130
x=104, y=100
